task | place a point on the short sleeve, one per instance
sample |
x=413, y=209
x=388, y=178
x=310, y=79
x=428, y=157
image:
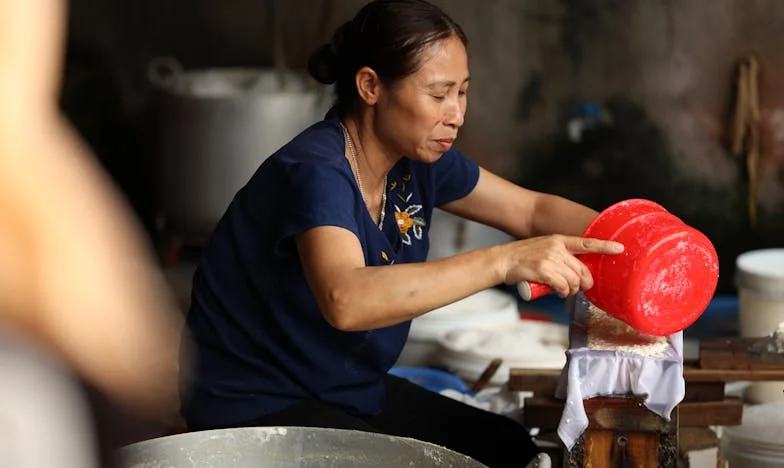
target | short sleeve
x=454, y=176
x=313, y=195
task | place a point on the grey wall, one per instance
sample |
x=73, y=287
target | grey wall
x=663, y=69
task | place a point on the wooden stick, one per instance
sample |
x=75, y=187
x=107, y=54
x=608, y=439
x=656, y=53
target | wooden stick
x=488, y=374
x=741, y=99
x=753, y=140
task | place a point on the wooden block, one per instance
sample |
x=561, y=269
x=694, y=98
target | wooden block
x=623, y=433
x=545, y=413
x=712, y=413
x=765, y=360
x=542, y=412
x=737, y=354
x=696, y=438
x=623, y=414
x=542, y=382
x=605, y=448
x=720, y=354
x=704, y=391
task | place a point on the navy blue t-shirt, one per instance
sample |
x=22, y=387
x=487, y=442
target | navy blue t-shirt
x=260, y=341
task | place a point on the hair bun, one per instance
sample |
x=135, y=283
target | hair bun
x=322, y=64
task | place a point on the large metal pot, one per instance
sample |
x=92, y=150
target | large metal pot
x=287, y=447
x=215, y=127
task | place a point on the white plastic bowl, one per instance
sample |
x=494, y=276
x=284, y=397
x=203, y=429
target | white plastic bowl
x=527, y=344
x=488, y=307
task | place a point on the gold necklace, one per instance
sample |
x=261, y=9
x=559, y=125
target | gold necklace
x=352, y=150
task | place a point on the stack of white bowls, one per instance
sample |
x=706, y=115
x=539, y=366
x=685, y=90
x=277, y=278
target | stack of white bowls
x=488, y=307
x=759, y=441
x=527, y=344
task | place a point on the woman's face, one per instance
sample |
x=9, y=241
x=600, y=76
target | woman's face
x=420, y=115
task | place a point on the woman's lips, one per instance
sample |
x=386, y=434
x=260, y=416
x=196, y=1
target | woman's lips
x=445, y=143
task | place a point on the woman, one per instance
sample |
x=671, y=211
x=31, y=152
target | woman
x=306, y=290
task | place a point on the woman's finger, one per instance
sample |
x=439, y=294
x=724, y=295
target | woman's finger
x=589, y=245
x=585, y=280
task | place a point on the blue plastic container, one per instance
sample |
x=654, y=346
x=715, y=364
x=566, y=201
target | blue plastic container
x=432, y=379
x=719, y=320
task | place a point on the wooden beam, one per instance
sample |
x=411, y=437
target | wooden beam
x=530, y=379
x=738, y=354
x=545, y=413
x=691, y=374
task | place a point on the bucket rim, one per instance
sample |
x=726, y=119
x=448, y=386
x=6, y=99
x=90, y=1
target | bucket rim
x=766, y=263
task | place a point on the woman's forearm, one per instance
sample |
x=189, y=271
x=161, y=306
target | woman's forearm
x=366, y=298
x=556, y=215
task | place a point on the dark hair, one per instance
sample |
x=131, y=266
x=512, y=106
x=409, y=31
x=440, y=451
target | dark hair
x=385, y=35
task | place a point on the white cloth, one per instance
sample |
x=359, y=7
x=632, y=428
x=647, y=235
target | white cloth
x=44, y=418
x=499, y=400
x=591, y=373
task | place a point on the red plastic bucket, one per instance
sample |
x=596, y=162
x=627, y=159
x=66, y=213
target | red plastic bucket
x=664, y=279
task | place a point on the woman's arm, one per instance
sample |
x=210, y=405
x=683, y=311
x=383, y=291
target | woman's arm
x=355, y=297
x=75, y=273
x=81, y=280
x=519, y=212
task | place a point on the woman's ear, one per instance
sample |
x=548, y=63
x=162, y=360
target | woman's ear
x=368, y=85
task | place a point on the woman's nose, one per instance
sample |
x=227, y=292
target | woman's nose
x=455, y=116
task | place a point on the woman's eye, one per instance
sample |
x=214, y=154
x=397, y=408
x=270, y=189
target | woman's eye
x=463, y=92
x=439, y=98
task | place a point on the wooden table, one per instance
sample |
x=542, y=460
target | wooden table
x=623, y=433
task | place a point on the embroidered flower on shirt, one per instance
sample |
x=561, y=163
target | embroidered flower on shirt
x=407, y=223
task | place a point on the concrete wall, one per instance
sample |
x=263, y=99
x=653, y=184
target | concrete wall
x=662, y=69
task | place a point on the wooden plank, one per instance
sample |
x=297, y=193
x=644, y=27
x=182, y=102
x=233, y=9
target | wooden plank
x=725, y=353
x=521, y=380
x=544, y=382
x=545, y=413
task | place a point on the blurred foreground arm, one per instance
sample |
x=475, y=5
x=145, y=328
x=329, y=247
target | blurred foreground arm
x=74, y=271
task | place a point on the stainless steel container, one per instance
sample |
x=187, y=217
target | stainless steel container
x=215, y=127
x=287, y=447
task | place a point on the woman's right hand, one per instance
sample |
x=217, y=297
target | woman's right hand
x=551, y=260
